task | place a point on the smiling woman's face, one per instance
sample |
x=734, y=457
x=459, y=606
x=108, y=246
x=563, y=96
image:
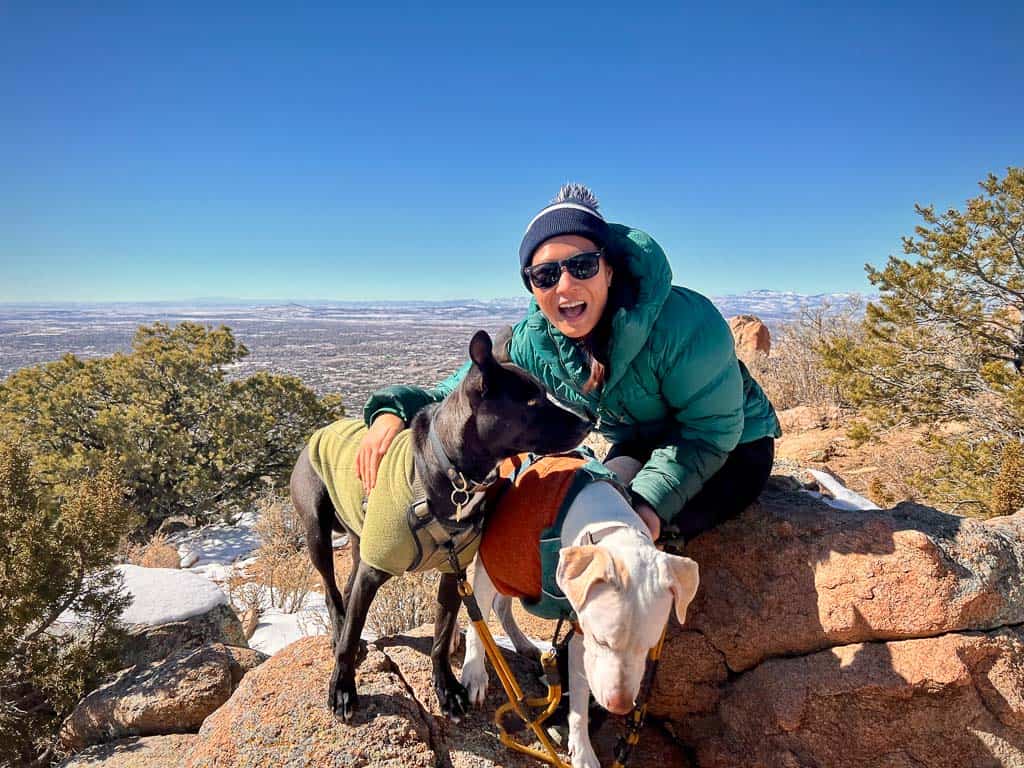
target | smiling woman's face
x=573, y=306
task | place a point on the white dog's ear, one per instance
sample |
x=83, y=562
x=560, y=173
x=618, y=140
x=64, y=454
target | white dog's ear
x=580, y=568
x=682, y=579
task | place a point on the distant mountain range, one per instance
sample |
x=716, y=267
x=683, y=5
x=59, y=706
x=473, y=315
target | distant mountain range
x=782, y=306
x=770, y=306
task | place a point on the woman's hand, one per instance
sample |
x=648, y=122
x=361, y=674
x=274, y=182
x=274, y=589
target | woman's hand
x=374, y=445
x=651, y=519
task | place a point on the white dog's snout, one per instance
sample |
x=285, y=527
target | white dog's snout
x=619, y=702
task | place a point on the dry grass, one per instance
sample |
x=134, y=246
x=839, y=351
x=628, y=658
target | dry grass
x=793, y=374
x=401, y=604
x=283, y=566
x=887, y=471
x=313, y=623
x=155, y=553
x=245, y=593
x=404, y=602
x=904, y=461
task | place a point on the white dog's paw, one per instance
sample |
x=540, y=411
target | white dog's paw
x=582, y=753
x=474, y=679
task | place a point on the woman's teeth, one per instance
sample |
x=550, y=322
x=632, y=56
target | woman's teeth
x=572, y=310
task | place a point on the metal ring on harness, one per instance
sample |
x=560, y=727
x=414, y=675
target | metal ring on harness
x=460, y=497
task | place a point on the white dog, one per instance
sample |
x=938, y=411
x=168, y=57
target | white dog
x=621, y=588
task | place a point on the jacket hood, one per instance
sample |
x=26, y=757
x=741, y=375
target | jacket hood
x=630, y=327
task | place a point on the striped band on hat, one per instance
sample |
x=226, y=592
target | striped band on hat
x=554, y=206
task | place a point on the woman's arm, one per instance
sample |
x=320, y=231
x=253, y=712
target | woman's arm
x=388, y=412
x=702, y=385
x=406, y=401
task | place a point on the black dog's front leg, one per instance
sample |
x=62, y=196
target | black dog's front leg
x=451, y=695
x=342, y=694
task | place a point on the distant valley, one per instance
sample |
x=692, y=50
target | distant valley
x=350, y=348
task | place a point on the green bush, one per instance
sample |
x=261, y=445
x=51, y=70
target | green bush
x=55, y=556
x=189, y=439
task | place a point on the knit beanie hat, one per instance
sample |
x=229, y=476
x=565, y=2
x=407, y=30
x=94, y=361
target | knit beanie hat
x=572, y=212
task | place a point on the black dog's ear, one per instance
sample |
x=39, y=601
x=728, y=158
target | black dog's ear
x=481, y=352
x=480, y=349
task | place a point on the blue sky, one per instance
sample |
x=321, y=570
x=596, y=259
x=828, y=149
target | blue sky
x=175, y=150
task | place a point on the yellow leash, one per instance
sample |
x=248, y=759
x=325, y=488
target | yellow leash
x=517, y=700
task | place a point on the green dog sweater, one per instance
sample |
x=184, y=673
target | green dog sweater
x=382, y=524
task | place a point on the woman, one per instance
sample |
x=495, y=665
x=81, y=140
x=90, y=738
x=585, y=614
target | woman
x=653, y=364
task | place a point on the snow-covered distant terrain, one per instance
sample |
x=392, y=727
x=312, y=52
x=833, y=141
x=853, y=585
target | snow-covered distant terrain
x=224, y=311
x=55, y=316
x=774, y=307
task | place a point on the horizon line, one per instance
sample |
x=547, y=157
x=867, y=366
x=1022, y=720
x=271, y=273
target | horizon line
x=224, y=300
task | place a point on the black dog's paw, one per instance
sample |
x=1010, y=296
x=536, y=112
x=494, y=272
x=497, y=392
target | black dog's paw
x=453, y=699
x=342, y=698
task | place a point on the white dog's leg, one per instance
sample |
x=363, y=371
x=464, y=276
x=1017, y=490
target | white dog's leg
x=580, y=749
x=474, y=670
x=524, y=646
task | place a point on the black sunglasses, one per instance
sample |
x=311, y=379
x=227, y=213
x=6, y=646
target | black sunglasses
x=582, y=266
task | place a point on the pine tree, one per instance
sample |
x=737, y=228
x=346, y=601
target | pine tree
x=944, y=346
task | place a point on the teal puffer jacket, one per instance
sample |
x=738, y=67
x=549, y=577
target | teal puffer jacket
x=673, y=380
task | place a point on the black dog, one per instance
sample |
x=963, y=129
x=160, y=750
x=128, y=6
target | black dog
x=497, y=411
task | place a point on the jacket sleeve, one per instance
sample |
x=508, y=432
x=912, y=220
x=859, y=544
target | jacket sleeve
x=703, y=387
x=406, y=401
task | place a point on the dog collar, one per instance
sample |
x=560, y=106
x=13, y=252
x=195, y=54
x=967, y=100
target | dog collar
x=467, y=494
x=596, y=532
x=459, y=481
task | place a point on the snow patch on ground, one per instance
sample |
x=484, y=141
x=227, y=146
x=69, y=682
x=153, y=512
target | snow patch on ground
x=277, y=629
x=213, y=549
x=215, y=552
x=161, y=595
x=840, y=496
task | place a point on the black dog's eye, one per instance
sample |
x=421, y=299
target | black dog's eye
x=533, y=401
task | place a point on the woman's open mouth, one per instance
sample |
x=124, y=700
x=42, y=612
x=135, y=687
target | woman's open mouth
x=572, y=310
